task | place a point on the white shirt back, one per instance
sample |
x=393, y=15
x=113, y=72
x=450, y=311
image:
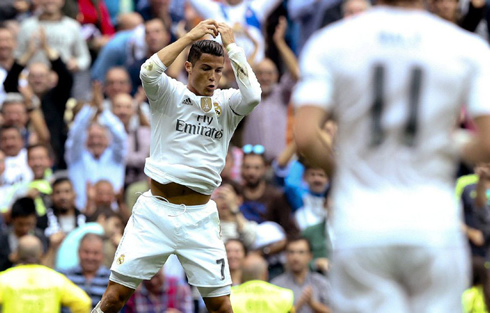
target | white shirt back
x=395, y=80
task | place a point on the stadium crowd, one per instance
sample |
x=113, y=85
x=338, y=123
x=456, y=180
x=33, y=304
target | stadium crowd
x=75, y=133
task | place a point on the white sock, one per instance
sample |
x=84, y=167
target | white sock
x=97, y=309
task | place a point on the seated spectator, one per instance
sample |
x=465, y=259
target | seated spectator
x=106, y=223
x=91, y=275
x=236, y=253
x=262, y=201
x=118, y=82
x=449, y=10
x=63, y=33
x=101, y=196
x=309, y=206
x=138, y=137
x=156, y=38
x=121, y=50
x=7, y=189
x=90, y=154
x=45, y=99
x=255, y=294
x=321, y=238
x=243, y=15
x=16, y=113
x=476, y=209
x=7, y=45
x=311, y=290
x=476, y=299
x=24, y=218
x=128, y=21
x=267, y=124
x=16, y=168
x=233, y=225
x=32, y=288
x=39, y=188
x=63, y=216
x=161, y=294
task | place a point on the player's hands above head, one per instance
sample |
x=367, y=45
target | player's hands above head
x=226, y=34
x=207, y=27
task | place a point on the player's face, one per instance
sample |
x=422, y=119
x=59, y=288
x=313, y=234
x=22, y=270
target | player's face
x=298, y=256
x=253, y=169
x=91, y=255
x=235, y=254
x=205, y=74
x=38, y=160
x=316, y=179
x=63, y=196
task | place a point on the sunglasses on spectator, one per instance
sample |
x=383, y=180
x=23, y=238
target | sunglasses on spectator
x=257, y=149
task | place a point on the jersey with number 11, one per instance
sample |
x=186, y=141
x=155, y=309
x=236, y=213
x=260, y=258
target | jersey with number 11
x=395, y=80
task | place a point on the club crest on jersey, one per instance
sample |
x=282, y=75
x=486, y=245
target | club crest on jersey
x=206, y=104
x=217, y=108
x=120, y=260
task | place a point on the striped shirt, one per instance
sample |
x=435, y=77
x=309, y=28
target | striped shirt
x=175, y=294
x=94, y=288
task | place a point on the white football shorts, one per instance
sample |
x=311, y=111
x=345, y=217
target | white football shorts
x=158, y=229
x=399, y=279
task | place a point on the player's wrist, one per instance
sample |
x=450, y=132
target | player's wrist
x=230, y=46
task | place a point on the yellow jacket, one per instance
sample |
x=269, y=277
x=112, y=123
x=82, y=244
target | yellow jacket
x=474, y=300
x=258, y=296
x=38, y=289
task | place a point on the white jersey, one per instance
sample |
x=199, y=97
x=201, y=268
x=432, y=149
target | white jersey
x=395, y=80
x=190, y=134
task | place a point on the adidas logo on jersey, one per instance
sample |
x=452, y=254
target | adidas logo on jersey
x=187, y=101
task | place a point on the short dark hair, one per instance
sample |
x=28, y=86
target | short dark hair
x=89, y=236
x=299, y=238
x=236, y=187
x=242, y=244
x=23, y=207
x=106, y=213
x=39, y=145
x=204, y=46
x=7, y=127
x=61, y=180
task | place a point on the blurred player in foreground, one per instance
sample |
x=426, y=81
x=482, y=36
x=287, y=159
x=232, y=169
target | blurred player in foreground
x=395, y=79
x=191, y=128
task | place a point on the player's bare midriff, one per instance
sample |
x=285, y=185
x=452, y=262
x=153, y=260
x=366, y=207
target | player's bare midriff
x=178, y=194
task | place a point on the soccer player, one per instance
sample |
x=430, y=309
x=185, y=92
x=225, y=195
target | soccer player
x=191, y=129
x=395, y=79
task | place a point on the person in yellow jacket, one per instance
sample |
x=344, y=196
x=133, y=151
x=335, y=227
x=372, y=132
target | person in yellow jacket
x=33, y=288
x=255, y=294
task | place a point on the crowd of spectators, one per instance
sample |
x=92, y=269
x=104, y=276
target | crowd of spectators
x=75, y=133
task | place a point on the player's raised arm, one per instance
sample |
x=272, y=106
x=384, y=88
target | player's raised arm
x=250, y=91
x=153, y=68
